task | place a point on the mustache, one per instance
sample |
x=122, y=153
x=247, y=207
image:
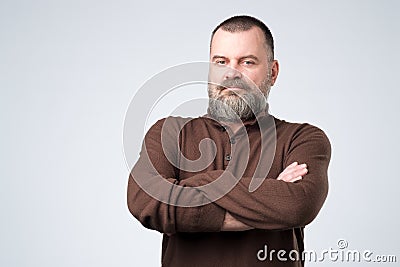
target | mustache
x=234, y=83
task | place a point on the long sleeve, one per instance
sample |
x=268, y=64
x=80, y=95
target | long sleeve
x=280, y=205
x=153, y=173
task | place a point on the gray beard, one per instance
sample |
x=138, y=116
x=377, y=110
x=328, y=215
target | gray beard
x=232, y=108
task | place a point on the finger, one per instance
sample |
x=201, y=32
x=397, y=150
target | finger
x=299, y=172
x=294, y=179
x=291, y=166
x=298, y=178
x=295, y=169
x=285, y=177
x=288, y=177
x=294, y=166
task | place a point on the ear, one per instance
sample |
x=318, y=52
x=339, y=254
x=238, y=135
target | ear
x=274, y=71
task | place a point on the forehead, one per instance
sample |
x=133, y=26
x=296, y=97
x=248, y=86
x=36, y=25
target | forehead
x=236, y=44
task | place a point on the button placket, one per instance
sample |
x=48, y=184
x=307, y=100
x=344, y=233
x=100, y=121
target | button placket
x=227, y=145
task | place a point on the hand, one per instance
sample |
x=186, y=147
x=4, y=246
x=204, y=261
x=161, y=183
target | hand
x=293, y=173
x=231, y=224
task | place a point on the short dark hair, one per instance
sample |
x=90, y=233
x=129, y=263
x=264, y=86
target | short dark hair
x=244, y=23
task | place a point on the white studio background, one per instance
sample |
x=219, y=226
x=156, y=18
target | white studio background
x=68, y=70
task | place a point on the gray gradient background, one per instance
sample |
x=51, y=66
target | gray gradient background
x=68, y=70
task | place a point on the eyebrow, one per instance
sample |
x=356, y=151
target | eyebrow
x=241, y=58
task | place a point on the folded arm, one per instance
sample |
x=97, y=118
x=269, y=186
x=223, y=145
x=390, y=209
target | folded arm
x=278, y=204
x=292, y=173
x=157, y=210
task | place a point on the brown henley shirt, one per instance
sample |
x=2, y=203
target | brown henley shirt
x=276, y=209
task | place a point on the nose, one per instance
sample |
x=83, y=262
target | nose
x=232, y=72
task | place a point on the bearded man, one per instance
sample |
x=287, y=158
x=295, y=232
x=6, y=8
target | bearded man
x=237, y=186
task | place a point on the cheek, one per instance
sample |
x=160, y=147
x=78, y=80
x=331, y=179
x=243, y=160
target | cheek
x=213, y=91
x=255, y=76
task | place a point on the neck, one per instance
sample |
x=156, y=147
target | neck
x=234, y=126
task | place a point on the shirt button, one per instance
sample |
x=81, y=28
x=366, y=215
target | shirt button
x=228, y=157
x=232, y=141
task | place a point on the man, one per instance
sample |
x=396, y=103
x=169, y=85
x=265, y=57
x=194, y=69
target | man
x=240, y=226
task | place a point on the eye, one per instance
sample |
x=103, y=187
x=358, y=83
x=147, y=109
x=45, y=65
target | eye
x=248, y=62
x=220, y=62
